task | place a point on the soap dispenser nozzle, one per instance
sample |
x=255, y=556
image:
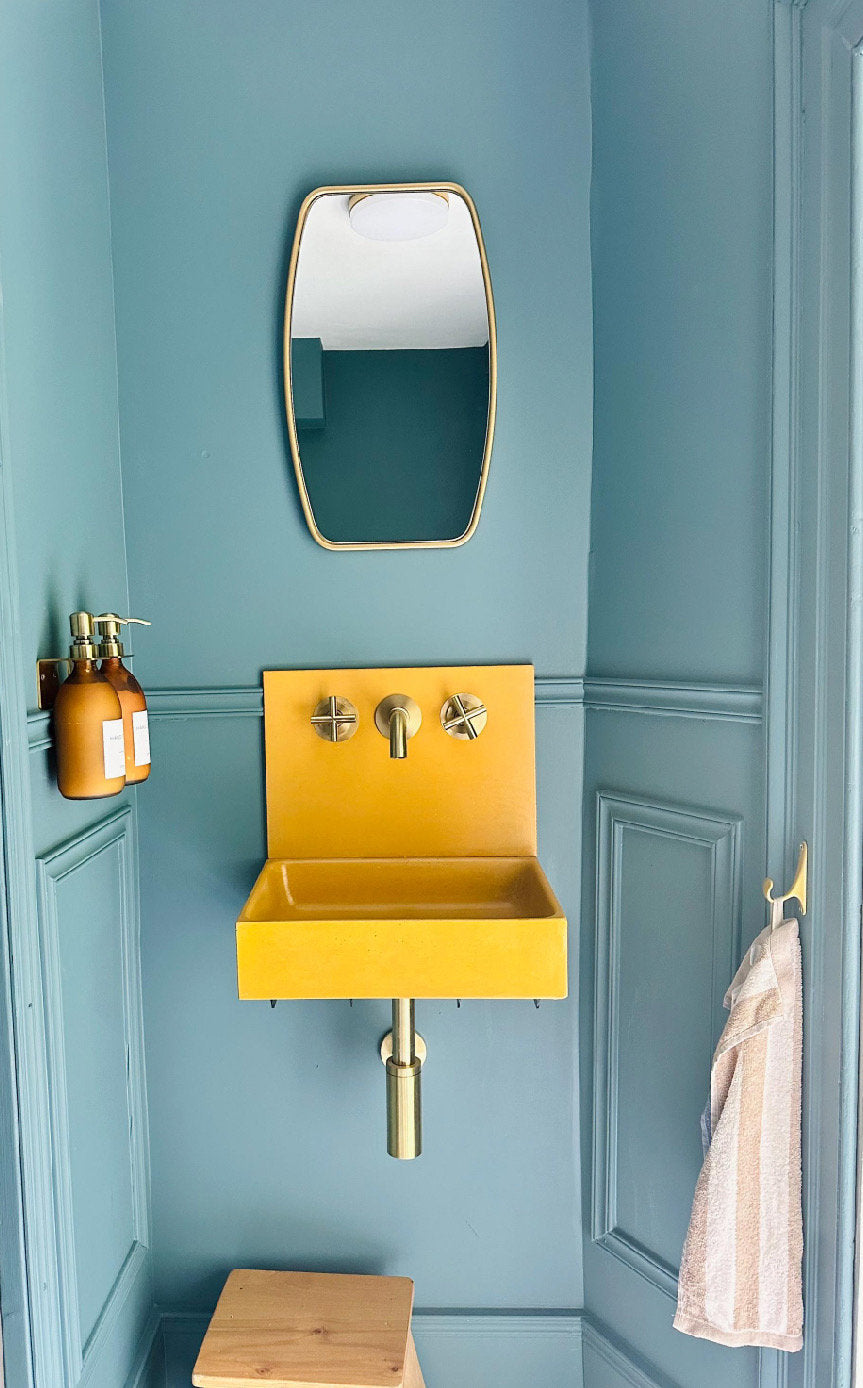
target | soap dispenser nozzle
x=82, y=647
x=108, y=625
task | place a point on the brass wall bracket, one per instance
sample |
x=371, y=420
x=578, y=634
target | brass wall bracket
x=48, y=679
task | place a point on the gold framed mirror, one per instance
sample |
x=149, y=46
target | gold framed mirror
x=390, y=365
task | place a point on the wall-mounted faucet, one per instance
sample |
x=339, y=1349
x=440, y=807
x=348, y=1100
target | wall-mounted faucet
x=398, y=717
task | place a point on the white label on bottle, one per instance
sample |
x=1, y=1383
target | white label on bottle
x=141, y=731
x=114, y=748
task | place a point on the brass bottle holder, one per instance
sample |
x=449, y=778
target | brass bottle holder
x=48, y=679
x=84, y=647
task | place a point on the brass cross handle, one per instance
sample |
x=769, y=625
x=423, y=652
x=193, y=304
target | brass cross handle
x=464, y=716
x=335, y=719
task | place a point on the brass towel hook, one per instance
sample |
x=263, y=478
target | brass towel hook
x=797, y=891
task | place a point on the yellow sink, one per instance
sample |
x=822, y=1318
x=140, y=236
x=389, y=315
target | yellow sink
x=402, y=927
x=413, y=878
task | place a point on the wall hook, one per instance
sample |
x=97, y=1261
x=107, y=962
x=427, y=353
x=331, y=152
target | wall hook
x=797, y=890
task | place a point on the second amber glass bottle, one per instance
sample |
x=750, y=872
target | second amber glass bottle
x=136, y=731
x=88, y=726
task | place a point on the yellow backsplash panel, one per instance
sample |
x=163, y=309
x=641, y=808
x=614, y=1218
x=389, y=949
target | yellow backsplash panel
x=448, y=798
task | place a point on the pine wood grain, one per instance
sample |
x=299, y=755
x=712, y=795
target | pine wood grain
x=413, y=1372
x=297, y=1329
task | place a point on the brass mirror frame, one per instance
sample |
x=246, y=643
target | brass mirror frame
x=349, y=189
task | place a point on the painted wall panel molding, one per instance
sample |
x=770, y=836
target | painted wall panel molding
x=84, y=1346
x=670, y=699
x=627, y=1369
x=709, y=832
x=148, y=1369
x=680, y=699
x=470, y=1344
x=827, y=808
x=780, y=686
x=460, y=1350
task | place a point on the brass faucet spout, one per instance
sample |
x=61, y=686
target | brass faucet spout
x=398, y=717
x=398, y=734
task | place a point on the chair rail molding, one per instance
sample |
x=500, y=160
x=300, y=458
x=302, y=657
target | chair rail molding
x=674, y=699
x=665, y=698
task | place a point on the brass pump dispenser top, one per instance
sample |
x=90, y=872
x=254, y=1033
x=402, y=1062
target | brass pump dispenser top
x=133, y=701
x=108, y=625
x=83, y=646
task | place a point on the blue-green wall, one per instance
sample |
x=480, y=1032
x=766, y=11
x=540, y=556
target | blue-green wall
x=682, y=98
x=75, y=1000
x=682, y=283
x=58, y=314
x=267, y=1127
x=220, y=119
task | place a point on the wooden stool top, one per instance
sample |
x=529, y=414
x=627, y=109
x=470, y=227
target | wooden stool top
x=295, y=1329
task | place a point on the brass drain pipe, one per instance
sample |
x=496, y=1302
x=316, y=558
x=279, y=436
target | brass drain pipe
x=404, y=1062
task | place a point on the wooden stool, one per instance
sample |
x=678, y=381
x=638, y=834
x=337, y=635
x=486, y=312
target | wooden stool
x=297, y=1329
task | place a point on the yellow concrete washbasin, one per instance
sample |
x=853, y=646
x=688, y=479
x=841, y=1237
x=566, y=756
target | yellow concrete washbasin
x=401, y=878
x=484, y=927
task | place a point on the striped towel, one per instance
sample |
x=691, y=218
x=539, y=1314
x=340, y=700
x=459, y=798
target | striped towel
x=741, y=1271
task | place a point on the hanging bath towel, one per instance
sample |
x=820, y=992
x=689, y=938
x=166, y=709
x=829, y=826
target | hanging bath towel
x=741, y=1271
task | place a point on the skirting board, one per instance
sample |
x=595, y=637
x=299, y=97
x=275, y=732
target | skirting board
x=565, y=1349
x=149, y=1369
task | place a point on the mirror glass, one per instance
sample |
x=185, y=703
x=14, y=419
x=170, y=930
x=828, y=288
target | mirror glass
x=390, y=365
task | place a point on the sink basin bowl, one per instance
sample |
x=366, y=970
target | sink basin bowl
x=485, y=927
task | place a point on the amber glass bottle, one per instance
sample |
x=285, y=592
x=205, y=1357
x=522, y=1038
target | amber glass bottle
x=136, y=731
x=88, y=723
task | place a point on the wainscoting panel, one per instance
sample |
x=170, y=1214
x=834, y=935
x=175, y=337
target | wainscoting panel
x=91, y=981
x=673, y=861
x=659, y=868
